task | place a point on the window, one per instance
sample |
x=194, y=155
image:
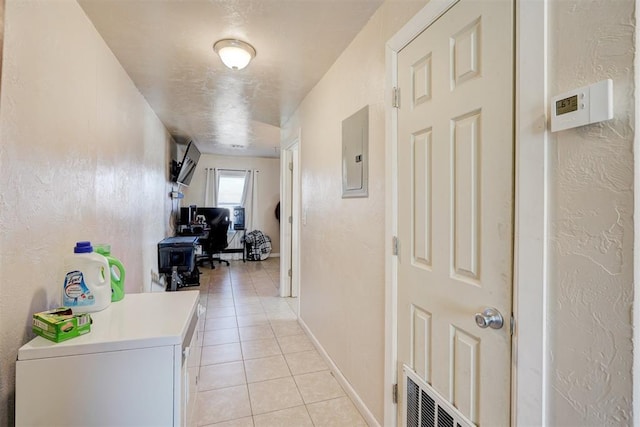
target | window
x=231, y=188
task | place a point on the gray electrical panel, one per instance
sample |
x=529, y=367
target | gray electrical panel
x=355, y=154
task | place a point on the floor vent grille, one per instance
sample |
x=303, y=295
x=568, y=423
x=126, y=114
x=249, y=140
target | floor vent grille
x=426, y=408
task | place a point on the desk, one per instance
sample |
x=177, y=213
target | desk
x=238, y=250
x=205, y=233
x=202, y=234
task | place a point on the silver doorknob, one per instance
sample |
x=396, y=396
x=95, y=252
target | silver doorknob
x=490, y=317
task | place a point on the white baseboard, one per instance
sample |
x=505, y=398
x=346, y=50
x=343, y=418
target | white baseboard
x=275, y=255
x=355, y=398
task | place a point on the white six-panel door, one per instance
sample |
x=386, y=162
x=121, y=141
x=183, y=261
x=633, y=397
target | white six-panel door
x=455, y=207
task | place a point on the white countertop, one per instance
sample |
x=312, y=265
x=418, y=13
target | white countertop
x=137, y=321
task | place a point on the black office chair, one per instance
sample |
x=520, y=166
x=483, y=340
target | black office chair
x=216, y=241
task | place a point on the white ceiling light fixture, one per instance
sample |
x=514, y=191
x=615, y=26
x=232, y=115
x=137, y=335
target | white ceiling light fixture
x=235, y=54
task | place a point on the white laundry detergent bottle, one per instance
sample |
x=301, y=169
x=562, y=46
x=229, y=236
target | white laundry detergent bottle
x=87, y=283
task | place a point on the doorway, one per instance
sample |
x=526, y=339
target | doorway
x=455, y=215
x=290, y=221
x=530, y=374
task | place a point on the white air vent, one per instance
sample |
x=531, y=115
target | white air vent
x=424, y=407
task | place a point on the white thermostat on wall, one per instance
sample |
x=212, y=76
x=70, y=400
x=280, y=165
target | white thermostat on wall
x=582, y=106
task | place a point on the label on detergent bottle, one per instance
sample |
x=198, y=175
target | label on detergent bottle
x=76, y=293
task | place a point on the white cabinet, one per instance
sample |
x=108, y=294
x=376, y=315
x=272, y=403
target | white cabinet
x=137, y=367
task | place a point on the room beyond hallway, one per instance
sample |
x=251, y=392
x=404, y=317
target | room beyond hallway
x=258, y=368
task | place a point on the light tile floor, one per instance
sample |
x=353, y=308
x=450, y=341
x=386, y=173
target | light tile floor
x=257, y=366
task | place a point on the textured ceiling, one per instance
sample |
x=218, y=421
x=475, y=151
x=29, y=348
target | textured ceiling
x=166, y=48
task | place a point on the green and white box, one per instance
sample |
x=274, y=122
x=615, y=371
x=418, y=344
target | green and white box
x=61, y=324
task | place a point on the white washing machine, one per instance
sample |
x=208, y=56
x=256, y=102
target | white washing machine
x=137, y=367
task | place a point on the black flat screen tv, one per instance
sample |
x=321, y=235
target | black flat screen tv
x=186, y=168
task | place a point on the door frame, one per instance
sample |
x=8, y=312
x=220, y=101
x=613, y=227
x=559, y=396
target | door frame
x=529, y=365
x=289, y=256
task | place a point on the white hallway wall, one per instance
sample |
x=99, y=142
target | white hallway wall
x=342, y=244
x=82, y=157
x=591, y=220
x=268, y=191
x=590, y=210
